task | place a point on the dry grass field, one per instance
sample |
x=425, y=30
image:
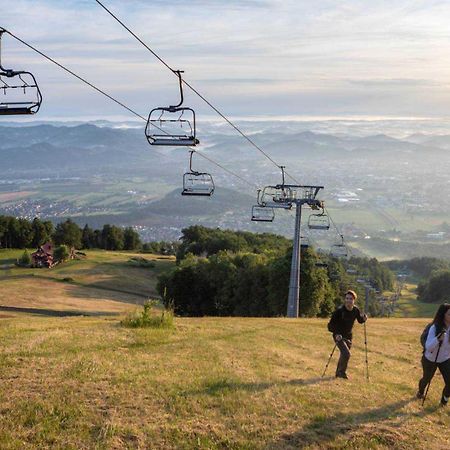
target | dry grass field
x=209, y=383
x=104, y=282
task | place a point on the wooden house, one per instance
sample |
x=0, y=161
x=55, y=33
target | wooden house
x=43, y=256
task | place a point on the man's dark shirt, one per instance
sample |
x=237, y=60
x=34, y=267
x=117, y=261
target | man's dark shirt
x=342, y=320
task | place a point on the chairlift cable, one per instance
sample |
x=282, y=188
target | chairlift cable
x=338, y=231
x=195, y=90
x=136, y=37
x=76, y=76
x=115, y=100
x=253, y=186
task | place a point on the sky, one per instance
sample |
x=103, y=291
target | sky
x=303, y=58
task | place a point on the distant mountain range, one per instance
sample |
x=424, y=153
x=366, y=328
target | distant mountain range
x=92, y=149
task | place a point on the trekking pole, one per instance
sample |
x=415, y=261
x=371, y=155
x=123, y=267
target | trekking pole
x=366, y=305
x=365, y=344
x=429, y=383
x=329, y=359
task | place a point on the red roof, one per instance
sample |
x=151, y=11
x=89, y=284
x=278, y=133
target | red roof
x=48, y=248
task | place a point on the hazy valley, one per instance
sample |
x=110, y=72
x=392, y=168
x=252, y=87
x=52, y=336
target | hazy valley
x=390, y=195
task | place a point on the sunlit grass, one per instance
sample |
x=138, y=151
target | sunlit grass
x=211, y=383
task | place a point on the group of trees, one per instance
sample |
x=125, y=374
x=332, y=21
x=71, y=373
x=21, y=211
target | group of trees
x=202, y=241
x=229, y=273
x=421, y=267
x=431, y=274
x=21, y=233
x=436, y=288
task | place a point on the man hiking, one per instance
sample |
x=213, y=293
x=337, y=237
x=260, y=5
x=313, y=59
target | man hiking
x=437, y=353
x=341, y=324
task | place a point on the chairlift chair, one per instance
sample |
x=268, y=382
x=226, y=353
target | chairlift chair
x=319, y=221
x=262, y=213
x=197, y=183
x=321, y=265
x=339, y=249
x=276, y=197
x=19, y=91
x=172, y=125
x=304, y=242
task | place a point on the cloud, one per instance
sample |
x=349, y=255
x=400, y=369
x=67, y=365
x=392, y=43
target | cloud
x=394, y=82
x=243, y=53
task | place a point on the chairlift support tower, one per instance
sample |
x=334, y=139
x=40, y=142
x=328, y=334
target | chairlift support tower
x=304, y=195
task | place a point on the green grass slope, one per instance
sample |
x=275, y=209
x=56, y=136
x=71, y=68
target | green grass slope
x=102, y=282
x=211, y=383
x=409, y=306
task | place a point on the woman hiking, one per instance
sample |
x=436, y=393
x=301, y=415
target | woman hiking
x=437, y=353
x=341, y=324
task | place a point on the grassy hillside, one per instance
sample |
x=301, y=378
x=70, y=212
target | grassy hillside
x=72, y=383
x=409, y=306
x=103, y=282
x=211, y=383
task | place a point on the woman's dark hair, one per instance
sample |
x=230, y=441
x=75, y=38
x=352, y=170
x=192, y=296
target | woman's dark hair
x=438, y=320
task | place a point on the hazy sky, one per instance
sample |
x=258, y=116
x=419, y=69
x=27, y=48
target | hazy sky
x=249, y=57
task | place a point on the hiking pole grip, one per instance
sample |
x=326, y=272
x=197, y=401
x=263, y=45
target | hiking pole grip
x=429, y=383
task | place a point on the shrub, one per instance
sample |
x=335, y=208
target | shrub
x=61, y=253
x=147, y=319
x=138, y=261
x=24, y=260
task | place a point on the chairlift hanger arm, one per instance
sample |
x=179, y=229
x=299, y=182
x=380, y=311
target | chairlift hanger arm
x=174, y=107
x=191, y=152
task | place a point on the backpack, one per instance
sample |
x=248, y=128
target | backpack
x=424, y=335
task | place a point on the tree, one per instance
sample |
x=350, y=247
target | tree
x=88, y=239
x=24, y=235
x=131, y=239
x=41, y=233
x=112, y=237
x=68, y=233
x=436, y=289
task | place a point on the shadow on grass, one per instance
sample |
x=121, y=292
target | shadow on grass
x=217, y=387
x=323, y=429
x=106, y=289
x=55, y=313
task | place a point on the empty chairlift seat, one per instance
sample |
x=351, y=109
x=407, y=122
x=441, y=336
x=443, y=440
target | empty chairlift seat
x=339, y=250
x=172, y=125
x=319, y=222
x=19, y=91
x=197, y=183
x=262, y=213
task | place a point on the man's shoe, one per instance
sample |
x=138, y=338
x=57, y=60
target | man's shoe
x=419, y=395
x=444, y=401
x=342, y=375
